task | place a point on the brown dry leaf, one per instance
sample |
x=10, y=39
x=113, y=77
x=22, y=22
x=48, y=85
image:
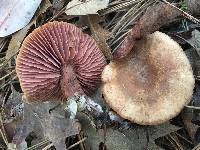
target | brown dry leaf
x=19, y=36
x=100, y=35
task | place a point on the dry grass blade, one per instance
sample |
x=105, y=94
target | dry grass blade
x=47, y=147
x=3, y=64
x=121, y=29
x=128, y=16
x=2, y=60
x=2, y=131
x=174, y=139
x=193, y=107
x=182, y=137
x=197, y=147
x=77, y=143
x=128, y=12
x=118, y=6
x=2, y=43
x=124, y=23
x=7, y=75
x=9, y=82
x=154, y=17
x=36, y=146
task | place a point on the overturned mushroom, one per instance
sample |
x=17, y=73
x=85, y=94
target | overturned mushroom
x=152, y=84
x=57, y=60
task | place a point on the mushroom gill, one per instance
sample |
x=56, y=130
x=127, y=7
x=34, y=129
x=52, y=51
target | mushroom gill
x=57, y=60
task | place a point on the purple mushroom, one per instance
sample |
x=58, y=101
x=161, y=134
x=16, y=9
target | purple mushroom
x=58, y=60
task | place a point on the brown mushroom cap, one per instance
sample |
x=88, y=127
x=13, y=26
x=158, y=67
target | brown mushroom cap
x=152, y=84
x=56, y=60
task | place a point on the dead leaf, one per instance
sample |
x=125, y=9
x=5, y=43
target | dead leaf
x=193, y=6
x=159, y=131
x=13, y=108
x=187, y=115
x=1, y=41
x=16, y=42
x=16, y=14
x=134, y=139
x=21, y=119
x=58, y=5
x=53, y=126
x=100, y=35
x=19, y=36
x=194, y=41
x=57, y=128
x=78, y=7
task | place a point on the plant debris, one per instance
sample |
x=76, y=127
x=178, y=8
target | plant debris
x=87, y=122
x=155, y=17
x=76, y=7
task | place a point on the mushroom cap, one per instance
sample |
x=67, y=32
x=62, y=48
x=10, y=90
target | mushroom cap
x=56, y=60
x=152, y=84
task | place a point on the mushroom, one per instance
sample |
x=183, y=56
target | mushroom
x=58, y=60
x=152, y=84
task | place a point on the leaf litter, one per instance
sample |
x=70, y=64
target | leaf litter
x=13, y=17
x=111, y=24
x=76, y=7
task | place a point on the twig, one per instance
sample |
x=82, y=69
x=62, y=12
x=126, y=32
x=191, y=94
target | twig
x=1, y=87
x=80, y=137
x=7, y=75
x=6, y=61
x=77, y=143
x=192, y=107
x=38, y=145
x=3, y=44
x=197, y=147
x=174, y=137
x=48, y=146
x=183, y=13
x=2, y=131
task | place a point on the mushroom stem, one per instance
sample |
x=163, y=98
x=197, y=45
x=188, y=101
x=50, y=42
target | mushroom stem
x=69, y=83
x=83, y=103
